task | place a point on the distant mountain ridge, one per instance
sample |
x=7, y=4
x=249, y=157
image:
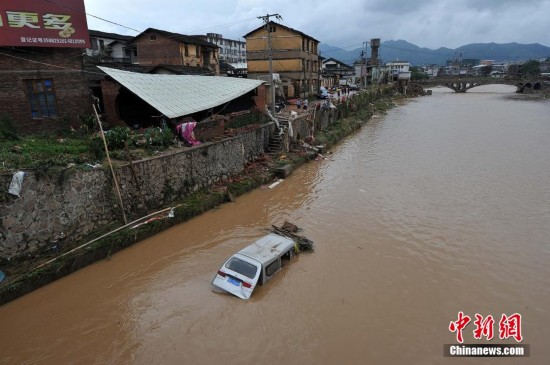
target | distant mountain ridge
x=405, y=51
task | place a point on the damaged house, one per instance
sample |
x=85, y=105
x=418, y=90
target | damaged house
x=140, y=100
x=170, y=76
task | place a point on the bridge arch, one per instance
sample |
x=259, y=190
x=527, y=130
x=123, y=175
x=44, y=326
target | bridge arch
x=513, y=88
x=461, y=85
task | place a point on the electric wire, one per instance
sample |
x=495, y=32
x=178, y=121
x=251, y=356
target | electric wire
x=92, y=15
x=51, y=64
x=141, y=31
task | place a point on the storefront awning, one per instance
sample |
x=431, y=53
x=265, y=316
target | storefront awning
x=179, y=95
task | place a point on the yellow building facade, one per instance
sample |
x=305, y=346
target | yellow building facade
x=295, y=58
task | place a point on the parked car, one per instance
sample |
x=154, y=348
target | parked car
x=323, y=92
x=353, y=87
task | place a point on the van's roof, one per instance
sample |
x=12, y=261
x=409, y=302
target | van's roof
x=267, y=248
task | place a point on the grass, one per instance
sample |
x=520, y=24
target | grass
x=47, y=150
x=245, y=120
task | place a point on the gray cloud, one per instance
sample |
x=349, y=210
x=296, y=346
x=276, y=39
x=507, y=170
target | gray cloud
x=427, y=23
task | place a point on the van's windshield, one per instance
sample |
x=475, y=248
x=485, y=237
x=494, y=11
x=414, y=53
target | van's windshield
x=242, y=267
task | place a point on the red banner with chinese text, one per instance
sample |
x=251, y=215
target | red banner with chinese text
x=44, y=23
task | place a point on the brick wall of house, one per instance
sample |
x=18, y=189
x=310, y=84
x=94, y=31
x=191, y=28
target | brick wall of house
x=154, y=48
x=61, y=65
x=261, y=99
x=162, y=50
x=110, y=90
x=295, y=58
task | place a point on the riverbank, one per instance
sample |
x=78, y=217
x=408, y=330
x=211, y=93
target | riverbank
x=24, y=274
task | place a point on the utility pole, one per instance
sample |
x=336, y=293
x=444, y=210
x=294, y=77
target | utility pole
x=266, y=19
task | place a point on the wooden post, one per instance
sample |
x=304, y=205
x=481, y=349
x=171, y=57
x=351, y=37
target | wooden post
x=110, y=165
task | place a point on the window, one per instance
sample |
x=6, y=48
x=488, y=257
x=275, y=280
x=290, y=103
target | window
x=286, y=256
x=95, y=46
x=272, y=29
x=41, y=95
x=198, y=51
x=186, y=51
x=272, y=268
x=153, y=37
x=101, y=44
x=242, y=267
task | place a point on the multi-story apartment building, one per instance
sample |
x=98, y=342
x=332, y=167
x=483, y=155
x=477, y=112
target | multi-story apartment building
x=295, y=58
x=231, y=51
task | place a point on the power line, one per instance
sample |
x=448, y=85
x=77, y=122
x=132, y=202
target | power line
x=94, y=16
x=224, y=25
x=140, y=31
x=266, y=19
x=342, y=48
x=51, y=65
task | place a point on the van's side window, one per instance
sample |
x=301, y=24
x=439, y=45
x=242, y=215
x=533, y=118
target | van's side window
x=286, y=257
x=272, y=268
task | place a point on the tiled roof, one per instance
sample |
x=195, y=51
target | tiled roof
x=178, y=37
x=119, y=37
x=280, y=25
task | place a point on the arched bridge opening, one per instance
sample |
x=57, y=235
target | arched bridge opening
x=461, y=85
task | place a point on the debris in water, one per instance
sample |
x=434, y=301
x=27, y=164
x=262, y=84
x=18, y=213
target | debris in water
x=275, y=184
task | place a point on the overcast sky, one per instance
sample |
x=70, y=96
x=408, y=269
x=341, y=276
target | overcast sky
x=343, y=23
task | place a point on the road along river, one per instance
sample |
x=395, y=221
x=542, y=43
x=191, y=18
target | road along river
x=441, y=206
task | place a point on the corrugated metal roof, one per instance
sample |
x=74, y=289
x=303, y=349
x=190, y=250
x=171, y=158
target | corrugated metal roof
x=179, y=95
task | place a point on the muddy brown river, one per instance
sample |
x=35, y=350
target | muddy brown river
x=440, y=206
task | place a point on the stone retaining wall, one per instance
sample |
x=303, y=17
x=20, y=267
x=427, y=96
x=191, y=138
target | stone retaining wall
x=75, y=202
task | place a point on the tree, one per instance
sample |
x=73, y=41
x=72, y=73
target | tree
x=486, y=70
x=418, y=74
x=530, y=68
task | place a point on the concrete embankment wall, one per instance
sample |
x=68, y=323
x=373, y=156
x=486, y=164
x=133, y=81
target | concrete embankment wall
x=74, y=202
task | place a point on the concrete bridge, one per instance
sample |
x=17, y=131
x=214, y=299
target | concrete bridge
x=463, y=84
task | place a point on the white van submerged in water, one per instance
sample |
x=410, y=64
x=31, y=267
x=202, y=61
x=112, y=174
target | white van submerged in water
x=258, y=262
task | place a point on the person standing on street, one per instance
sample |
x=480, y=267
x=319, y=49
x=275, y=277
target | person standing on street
x=298, y=104
x=305, y=104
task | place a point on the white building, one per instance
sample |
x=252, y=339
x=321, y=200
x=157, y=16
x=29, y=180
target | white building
x=231, y=51
x=399, y=70
x=431, y=70
x=109, y=46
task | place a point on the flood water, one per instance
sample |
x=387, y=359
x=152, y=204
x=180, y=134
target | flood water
x=440, y=206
